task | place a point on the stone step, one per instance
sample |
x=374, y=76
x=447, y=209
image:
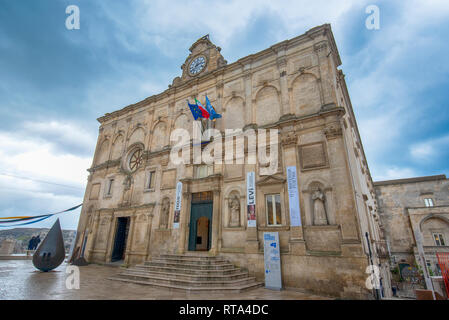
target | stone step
x=191, y=261
x=189, y=273
x=224, y=266
x=193, y=277
x=232, y=289
x=190, y=257
x=187, y=270
x=186, y=282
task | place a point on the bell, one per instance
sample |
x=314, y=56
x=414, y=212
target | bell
x=51, y=252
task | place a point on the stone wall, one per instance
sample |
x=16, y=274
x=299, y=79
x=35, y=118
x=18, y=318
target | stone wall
x=405, y=213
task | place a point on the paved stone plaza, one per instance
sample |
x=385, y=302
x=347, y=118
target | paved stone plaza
x=20, y=280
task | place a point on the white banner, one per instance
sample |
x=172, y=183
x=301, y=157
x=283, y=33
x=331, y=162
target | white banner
x=251, y=198
x=178, y=201
x=293, y=199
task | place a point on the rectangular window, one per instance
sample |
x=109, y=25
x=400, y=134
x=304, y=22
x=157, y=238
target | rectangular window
x=273, y=208
x=439, y=240
x=150, y=180
x=428, y=202
x=109, y=190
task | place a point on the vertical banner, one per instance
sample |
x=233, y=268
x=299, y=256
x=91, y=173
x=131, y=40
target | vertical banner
x=178, y=201
x=251, y=198
x=272, y=258
x=293, y=198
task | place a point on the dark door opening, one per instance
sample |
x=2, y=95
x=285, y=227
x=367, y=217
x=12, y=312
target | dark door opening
x=200, y=233
x=121, y=235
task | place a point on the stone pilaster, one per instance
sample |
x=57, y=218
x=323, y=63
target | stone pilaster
x=216, y=217
x=249, y=114
x=344, y=200
x=285, y=103
x=148, y=235
x=327, y=89
x=92, y=235
x=184, y=218
x=130, y=240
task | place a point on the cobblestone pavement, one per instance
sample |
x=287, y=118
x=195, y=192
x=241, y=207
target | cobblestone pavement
x=20, y=280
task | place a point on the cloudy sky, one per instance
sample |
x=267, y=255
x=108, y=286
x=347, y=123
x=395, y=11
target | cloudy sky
x=55, y=82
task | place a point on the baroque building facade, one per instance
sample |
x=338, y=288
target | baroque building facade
x=294, y=86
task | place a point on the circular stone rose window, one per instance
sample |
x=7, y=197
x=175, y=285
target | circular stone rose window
x=135, y=160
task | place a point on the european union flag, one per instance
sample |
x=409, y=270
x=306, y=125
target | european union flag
x=213, y=114
x=196, y=112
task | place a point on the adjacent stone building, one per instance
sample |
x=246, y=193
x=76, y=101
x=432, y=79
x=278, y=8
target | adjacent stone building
x=130, y=211
x=409, y=207
x=7, y=247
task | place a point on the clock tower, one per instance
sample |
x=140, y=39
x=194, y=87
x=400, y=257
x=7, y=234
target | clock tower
x=204, y=58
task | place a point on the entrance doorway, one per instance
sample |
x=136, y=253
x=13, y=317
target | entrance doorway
x=121, y=235
x=202, y=234
x=201, y=222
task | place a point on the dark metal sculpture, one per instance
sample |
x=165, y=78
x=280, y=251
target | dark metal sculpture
x=51, y=252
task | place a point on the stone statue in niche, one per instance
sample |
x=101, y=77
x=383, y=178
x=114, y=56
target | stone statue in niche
x=165, y=210
x=234, y=209
x=127, y=190
x=319, y=208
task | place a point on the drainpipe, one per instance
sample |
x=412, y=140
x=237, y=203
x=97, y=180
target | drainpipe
x=376, y=293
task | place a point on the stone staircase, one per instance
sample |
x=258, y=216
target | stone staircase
x=191, y=273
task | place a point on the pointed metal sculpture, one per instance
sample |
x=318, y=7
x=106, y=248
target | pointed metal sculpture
x=51, y=252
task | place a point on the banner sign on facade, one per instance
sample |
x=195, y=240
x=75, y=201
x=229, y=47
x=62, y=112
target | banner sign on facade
x=178, y=201
x=272, y=257
x=293, y=198
x=251, y=198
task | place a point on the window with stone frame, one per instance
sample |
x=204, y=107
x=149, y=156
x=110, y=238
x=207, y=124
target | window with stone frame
x=203, y=171
x=150, y=181
x=428, y=202
x=439, y=239
x=109, y=186
x=273, y=209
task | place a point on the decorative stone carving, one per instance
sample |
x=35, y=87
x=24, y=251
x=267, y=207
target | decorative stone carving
x=333, y=131
x=288, y=138
x=320, y=47
x=313, y=156
x=165, y=211
x=234, y=210
x=319, y=208
x=127, y=190
x=221, y=62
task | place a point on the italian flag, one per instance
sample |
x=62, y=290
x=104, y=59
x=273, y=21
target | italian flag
x=204, y=113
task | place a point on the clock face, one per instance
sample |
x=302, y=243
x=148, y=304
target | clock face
x=197, y=65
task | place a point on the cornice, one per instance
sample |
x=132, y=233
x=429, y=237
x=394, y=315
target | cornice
x=323, y=30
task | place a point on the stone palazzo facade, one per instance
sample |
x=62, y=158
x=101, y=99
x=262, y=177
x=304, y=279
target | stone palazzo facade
x=294, y=86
